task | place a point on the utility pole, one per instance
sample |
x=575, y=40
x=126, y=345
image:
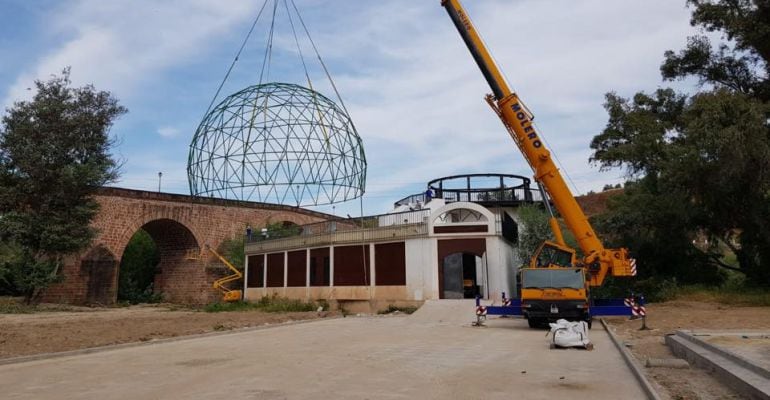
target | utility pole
x=160, y=175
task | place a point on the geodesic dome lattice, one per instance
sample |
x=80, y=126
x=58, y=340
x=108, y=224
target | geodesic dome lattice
x=277, y=143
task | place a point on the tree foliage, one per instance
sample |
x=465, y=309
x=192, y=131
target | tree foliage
x=138, y=268
x=534, y=230
x=233, y=251
x=54, y=151
x=742, y=65
x=701, y=163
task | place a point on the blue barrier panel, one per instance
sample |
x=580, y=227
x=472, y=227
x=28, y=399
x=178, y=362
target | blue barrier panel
x=607, y=302
x=600, y=311
x=504, y=310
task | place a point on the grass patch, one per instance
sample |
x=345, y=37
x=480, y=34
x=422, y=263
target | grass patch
x=266, y=304
x=16, y=308
x=230, y=307
x=221, y=327
x=13, y=305
x=391, y=309
x=725, y=295
x=735, y=291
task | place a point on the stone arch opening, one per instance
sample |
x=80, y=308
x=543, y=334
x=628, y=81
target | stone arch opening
x=178, y=277
x=137, y=270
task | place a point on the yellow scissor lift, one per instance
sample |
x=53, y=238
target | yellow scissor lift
x=221, y=283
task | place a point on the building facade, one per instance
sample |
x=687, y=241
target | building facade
x=453, y=242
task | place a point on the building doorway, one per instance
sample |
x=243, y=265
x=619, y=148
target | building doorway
x=461, y=268
x=462, y=276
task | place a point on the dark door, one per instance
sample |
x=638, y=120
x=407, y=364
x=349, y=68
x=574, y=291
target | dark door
x=453, y=276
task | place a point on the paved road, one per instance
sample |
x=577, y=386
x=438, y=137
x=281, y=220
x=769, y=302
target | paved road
x=433, y=354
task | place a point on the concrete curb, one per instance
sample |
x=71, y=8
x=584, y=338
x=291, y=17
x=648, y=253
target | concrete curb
x=746, y=381
x=100, y=349
x=629, y=359
x=742, y=361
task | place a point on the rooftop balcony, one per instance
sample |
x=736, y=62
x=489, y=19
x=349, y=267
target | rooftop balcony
x=488, y=190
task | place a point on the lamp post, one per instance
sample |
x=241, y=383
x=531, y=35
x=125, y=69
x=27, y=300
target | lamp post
x=160, y=175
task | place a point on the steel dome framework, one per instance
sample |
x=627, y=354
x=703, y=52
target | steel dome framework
x=278, y=143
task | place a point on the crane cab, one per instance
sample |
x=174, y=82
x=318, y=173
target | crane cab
x=552, y=255
x=553, y=286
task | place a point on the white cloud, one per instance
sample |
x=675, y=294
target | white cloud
x=168, y=132
x=120, y=45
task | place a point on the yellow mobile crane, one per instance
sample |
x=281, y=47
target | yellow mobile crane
x=555, y=284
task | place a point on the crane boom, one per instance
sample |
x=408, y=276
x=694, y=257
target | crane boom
x=518, y=120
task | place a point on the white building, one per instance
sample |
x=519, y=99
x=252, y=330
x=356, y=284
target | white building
x=458, y=245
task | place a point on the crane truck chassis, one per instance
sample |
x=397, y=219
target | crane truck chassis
x=555, y=284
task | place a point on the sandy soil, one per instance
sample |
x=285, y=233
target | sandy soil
x=43, y=332
x=665, y=318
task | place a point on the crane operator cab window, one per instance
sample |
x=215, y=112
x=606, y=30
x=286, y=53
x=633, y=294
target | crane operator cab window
x=551, y=255
x=553, y=279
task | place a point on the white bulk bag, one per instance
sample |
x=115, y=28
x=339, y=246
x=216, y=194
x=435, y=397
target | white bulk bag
x=570, y=334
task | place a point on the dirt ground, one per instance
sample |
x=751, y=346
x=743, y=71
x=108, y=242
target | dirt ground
x=756, y=349
x=665, y=318
x=44, y=332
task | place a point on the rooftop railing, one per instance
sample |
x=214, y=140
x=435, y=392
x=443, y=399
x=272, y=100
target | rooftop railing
x=485, y=189
x=339, y=231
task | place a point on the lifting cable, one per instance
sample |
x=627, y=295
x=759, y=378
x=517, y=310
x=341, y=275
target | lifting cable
x=237, y=56
x=307, y=75
x=267, y=57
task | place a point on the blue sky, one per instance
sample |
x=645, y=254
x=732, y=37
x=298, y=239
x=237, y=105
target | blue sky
x=410, y=85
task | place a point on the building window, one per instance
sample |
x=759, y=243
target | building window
x=296, y=275
x=256, y=271
x=510, y=229
x=351, y=266
x=275, y=270
x=390, y=264
x=319, y=267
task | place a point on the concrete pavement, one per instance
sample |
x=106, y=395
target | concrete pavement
x=433, y=354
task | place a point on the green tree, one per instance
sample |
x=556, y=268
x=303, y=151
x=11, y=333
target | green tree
x=700, y=164
x=534, y=230
x=10, y=255
x=54, y=152
x=233, y=251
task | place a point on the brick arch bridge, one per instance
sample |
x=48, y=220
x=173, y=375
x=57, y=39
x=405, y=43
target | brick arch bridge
x=179, y=225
